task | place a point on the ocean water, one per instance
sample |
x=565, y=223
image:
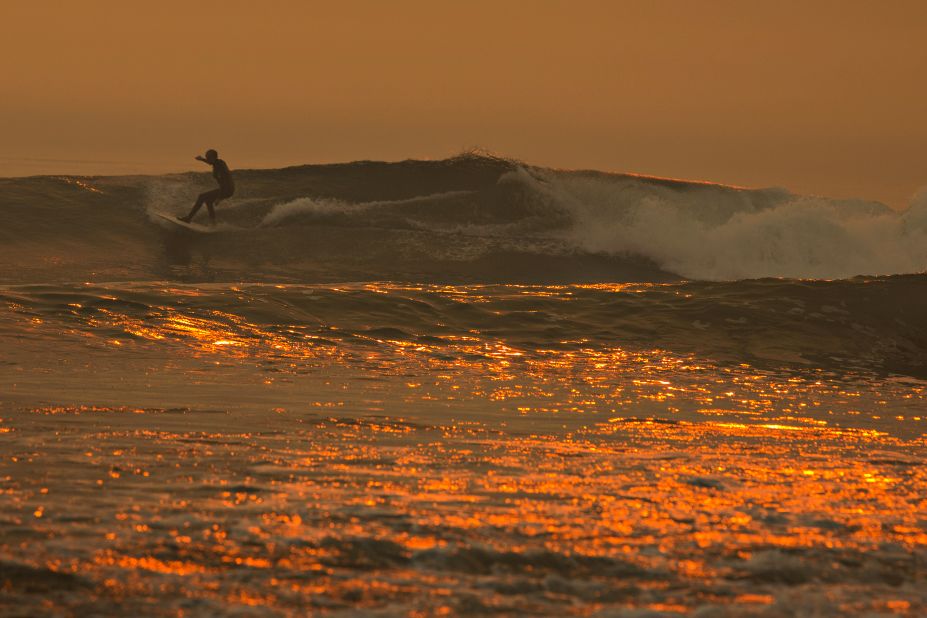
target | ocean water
x=460, y=387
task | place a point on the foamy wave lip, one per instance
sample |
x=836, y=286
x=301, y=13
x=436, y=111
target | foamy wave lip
x=310, y=206
x=725, y=233
x=323, y=206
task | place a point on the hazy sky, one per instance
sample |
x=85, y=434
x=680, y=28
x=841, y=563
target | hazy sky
x=820, y=97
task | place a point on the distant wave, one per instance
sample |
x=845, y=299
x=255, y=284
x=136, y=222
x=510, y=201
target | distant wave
x=470, y=219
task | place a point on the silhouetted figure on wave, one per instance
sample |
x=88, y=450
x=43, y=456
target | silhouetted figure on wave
x=220, y=171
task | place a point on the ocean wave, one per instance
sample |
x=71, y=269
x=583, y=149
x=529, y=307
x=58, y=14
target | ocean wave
x=856, y=325
x=467, y=219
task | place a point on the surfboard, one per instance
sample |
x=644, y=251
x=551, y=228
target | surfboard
x=193, y=227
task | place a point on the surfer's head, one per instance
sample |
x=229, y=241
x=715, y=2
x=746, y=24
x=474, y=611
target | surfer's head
x=211, y=155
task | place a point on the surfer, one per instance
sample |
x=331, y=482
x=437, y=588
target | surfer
x=220, y=171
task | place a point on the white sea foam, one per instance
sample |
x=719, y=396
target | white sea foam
x=324, y=206
x=723, y=233
x=312, y=206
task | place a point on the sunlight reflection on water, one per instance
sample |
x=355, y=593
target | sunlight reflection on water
x=223, y=459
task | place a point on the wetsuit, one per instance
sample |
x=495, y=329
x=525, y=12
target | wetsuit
x=220, y=171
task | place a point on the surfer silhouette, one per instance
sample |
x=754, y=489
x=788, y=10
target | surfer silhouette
x=220, y=171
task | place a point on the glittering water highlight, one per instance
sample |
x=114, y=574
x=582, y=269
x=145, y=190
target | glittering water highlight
x=432, y=450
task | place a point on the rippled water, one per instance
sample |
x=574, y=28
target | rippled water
x=274, y=450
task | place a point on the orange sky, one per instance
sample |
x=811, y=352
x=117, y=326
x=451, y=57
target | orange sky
x=820, y=97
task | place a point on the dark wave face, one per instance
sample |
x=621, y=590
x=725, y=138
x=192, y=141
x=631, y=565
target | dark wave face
x=860, y=325
x=470, y=219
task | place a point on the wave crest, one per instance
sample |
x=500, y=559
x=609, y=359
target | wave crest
x=466, y=219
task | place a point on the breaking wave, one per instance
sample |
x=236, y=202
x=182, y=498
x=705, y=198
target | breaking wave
x=467, y=219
